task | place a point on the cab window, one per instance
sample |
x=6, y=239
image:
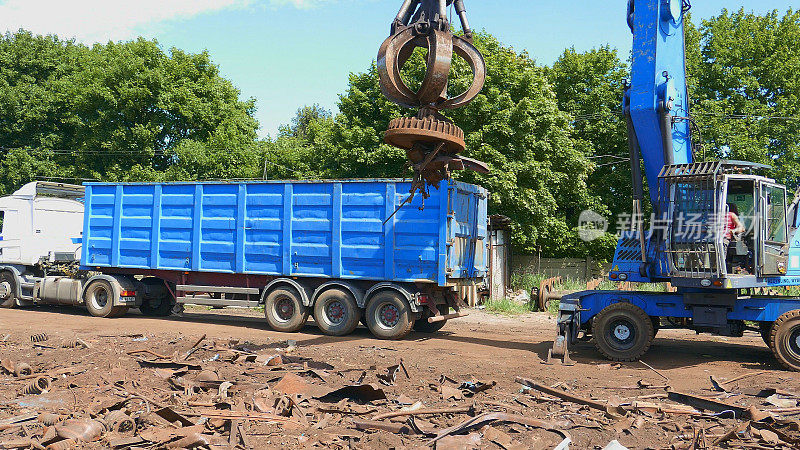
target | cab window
x=776, y=214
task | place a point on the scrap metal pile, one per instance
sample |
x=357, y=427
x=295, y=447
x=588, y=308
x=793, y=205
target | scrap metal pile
x=432, y=142
x=145, y=391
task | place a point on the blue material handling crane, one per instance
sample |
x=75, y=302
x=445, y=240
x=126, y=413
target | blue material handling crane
x=721, y=234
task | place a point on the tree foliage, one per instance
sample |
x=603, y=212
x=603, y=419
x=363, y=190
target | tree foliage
x=589, y=86
x=745, y=83
x=111, y=107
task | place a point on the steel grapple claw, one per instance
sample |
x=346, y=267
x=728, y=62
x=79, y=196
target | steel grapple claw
x=432, y=142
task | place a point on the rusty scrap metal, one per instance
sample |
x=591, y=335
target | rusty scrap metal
x=425, y=412
x=194, y=347
x=442, y=318
x=666, y=378
x=547, y=293
x=724, y=385
x=396, y=428
x=484, y=419
x=247, y=415
x=86, y=430
x=37, y=386
x=75, y=343
x=432, y=142
x=120, y=422
x=560, y=394
x=51, y=419
x=708, y=404
x=20, y=369
x=39, y=337
x=66, y=444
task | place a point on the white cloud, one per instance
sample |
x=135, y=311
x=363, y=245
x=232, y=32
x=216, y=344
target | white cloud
x=102, y=20
x=301, y=4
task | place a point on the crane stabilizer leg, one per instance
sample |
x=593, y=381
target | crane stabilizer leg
x=566, y=331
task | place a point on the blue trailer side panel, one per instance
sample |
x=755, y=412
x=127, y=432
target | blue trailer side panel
x=329, y=229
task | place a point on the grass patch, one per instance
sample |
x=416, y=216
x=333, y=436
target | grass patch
x=526, y=281
x=508, y=307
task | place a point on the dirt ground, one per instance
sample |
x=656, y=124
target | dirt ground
x=166, y=394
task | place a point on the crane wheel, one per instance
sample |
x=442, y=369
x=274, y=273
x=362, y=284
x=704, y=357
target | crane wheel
x=622, y=332
x=785, y=339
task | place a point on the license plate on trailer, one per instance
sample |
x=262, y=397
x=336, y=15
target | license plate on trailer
x=127, y=299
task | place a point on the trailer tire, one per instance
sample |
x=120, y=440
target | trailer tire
x=10, y=301
x=785, y=338
x=99, y=300
x=284, y=310
x=423, y=326
x=389, y=316
x=622, y=332
x=159, y=306
x=156, y=307
x=336, y=312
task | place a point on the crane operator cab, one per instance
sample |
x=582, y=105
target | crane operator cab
x=725, y=225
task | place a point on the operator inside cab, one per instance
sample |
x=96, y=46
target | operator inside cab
x=734, y=232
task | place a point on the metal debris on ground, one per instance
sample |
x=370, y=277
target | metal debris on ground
x=39, y=337
x=176, y=394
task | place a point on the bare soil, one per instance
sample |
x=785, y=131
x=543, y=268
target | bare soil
x=89, y=382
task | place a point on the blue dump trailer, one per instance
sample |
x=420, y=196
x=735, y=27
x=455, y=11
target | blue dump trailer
x=334, y=249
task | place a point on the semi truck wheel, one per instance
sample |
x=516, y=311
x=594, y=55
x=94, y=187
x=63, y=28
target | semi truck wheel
x=99, y=299
x=336, y=312
x=622, y=332
x=423, y=326
x=389, y=316
x=785, y=338
x=9, y=284
x=284, y=310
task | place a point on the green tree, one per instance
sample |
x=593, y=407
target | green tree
x=304, y=117
x=115, y=107
x=19, y=166
x=745, y=83
x=589, y=86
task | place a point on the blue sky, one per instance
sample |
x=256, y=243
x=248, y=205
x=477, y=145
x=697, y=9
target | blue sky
x=288, y=53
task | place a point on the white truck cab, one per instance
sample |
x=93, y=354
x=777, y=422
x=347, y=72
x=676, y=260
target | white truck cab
x=41, y=227
x=41, y=221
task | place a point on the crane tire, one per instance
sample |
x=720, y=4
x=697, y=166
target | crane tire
x=622, y=332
